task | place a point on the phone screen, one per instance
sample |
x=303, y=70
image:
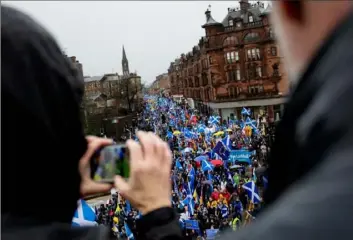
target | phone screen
x=113, y=160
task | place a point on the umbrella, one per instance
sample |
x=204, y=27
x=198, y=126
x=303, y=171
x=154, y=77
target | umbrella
x=216, y=162
x=199, y=151
x=187, y=150
x=176, y=133
x=218, y=133
x=200, y=158
x=235, y=166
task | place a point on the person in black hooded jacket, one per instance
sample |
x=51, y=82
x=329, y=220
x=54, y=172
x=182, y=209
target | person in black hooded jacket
x=45, y=155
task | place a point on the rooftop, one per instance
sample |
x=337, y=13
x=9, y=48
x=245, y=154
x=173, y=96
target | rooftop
x=92, y=79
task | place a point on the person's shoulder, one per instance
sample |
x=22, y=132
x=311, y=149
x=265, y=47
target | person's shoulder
x=328, y=92
x=16, y=23
x=56, y=231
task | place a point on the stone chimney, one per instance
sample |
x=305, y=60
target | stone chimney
x=73, y=59
x=244, y=5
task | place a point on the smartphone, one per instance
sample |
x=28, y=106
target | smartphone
x=110, y=161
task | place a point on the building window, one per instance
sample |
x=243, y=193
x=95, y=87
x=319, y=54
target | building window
x=239, y=90
x=230, y=22
x=236, y=56
x=249, y=55
x=252, y=37
x=273, y=51
x=259, y=71
x=271, y=33
x=251, y=71
x=238, y=25
x=232, y=76
x=238, y=74
x=251, y=19
x=258, y=54
x=230, y=41
x=232, y=92
x=254, y=54
x=231, y=57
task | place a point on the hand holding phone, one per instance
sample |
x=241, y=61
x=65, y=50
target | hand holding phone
x=110, y=161
x=88, y=185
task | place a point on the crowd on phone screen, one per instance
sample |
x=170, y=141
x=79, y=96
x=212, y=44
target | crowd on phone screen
x=213, y=190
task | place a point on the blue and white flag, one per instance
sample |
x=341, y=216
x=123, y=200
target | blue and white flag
x=206, y=166
x=84, y=215
x=246, y=112
x=214, y=120
x=129, y=234
x=224, y=211
x=227, y=142
x=252, y=192
x=221, y=151
x=178, y=165
x=201, y=128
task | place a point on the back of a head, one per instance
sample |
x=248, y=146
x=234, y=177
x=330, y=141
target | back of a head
x=42, y=137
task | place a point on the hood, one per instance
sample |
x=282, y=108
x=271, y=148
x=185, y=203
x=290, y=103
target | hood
x=41, y=129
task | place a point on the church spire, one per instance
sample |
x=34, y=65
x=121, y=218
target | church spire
x=125, y=64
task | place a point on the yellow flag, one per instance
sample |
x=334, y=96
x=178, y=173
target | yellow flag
x=117, y=210
x=195, y=196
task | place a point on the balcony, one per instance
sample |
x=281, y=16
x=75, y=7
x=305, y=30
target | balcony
x=253, y=24
x=227, y=98
x=254, y=59
x=245, y=25
x=270, y=36
x=231, y=28
x=265, y=94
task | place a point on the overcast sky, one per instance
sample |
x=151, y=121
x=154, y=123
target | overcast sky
x=153, y=33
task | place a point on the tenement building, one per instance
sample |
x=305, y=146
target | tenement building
x=236, y=64
x=160, y=85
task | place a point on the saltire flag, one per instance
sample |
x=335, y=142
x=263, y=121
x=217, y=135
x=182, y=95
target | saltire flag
x=206, y=166
x=221, y=151
x=252, y=192
x=84, y=215
x=227, y=142
x=214, y=120
x=246, y=112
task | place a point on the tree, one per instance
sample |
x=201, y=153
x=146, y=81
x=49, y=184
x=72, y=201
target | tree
x=129, y=91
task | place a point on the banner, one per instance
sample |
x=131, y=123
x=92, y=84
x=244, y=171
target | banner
x=240, y=156
x=192, y=224
x=211, y=234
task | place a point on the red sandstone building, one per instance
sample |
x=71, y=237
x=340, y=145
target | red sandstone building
x=160, y=85
x=236, y=64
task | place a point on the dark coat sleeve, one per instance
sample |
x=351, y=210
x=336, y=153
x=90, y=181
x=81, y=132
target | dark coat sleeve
x=320, y=206
x=159, y=224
